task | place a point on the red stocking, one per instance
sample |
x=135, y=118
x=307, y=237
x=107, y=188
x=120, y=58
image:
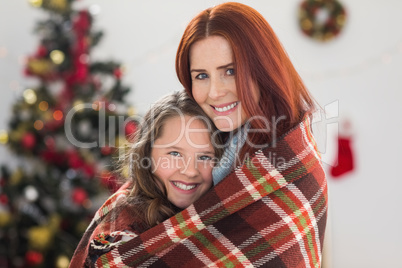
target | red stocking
x=345, y=158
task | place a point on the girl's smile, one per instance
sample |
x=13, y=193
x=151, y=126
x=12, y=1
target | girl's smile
x=182, y=159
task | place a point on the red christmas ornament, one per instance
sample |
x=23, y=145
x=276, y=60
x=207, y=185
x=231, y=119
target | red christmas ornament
x=81, y=61
x=106, y=150
x=79, y=195
x=3, y=199
x=41, y=52
x=52, y=157
x=130, y=128
x=74, y=160
x=50, y=142
x=118, y=73
x=28, y=141
x=82, y=23
x=79, y=54
x=89, y=170
x=33, y=258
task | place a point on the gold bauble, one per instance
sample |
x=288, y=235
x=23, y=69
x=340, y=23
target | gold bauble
x=62, y=262
x=5, y=218
x=131, y=111
x=40, y=66
x=54, y=222
x=58, y=5
x=36, y=3
x=40, y=237
x=3, y=136
x=15, y=136
x=16, y=177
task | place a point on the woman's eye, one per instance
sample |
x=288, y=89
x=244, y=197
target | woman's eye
x=174, y=153
x=201, y=76
x=205, y=157
x=230, y=72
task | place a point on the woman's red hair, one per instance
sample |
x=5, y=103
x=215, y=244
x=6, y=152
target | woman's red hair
x=260, y=61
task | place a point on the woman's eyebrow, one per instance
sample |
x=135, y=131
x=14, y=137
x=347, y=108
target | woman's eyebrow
x=225, y=66
x=197, y=70
x=220, y=67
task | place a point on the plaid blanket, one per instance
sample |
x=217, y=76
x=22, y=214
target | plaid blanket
x=269, y=212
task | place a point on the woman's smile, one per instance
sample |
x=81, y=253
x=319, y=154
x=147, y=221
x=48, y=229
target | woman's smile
x=214, y=88
x=225, y=109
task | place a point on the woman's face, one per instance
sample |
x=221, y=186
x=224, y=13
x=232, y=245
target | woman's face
x=182, y=159
x=213, y=82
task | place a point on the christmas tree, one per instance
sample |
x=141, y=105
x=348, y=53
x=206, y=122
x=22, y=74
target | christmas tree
x=66, y=131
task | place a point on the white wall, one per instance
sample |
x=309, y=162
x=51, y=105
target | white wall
x=359, y=73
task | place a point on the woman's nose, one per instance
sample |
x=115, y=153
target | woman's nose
x=217, y=88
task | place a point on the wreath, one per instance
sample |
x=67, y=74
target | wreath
x=321, y=20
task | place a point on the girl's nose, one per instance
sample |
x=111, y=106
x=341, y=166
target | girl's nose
x=190, y=168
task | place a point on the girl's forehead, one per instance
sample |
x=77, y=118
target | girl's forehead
x=184, y=131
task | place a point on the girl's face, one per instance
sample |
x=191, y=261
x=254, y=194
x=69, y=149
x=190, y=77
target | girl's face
x=182, y=159
x=213, y=82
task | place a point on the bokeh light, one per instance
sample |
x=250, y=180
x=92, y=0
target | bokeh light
x=57, y=56
x=30, y=96
x=43, y=106
x=58, y=115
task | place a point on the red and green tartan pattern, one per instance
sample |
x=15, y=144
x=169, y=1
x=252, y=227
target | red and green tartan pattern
x=263, y=214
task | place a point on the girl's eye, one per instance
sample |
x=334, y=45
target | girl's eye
x=205, y=157
x=230, y=72
x=174, y=153
x=201, y=76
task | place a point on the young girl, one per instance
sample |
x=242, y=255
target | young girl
x=171, y=164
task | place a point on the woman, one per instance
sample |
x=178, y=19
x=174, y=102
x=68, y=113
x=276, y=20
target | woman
x=269, y=204
x=231, y=62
